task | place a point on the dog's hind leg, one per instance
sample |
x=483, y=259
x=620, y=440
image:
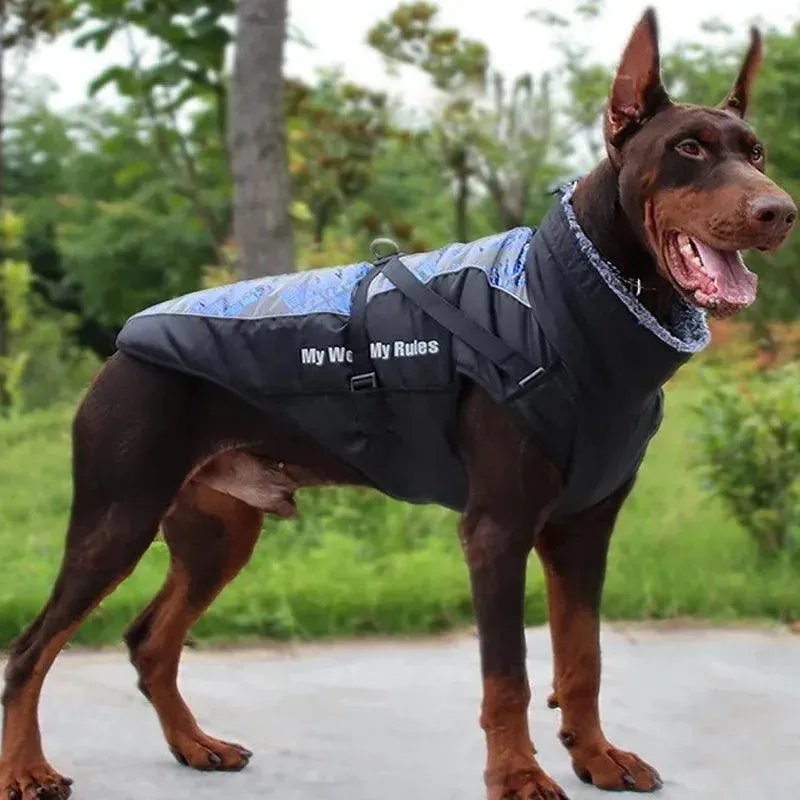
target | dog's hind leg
x=126, y=474
x=573, y=553
x=211, y=536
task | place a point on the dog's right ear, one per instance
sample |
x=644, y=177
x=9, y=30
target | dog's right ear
x=637, y=92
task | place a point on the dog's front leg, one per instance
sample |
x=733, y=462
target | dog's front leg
x=511, y=491
x=497, y=561
x=573, y=553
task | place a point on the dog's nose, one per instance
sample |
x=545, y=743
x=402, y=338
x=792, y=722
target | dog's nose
x=775, y=213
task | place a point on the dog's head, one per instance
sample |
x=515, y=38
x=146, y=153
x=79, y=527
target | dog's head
x=692, y=179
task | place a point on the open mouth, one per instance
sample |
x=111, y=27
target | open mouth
x=714, y=279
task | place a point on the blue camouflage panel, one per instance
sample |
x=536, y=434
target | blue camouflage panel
x=330, y=290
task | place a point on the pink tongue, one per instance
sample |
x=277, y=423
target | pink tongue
x=735, y=282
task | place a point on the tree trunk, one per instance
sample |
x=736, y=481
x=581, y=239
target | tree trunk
x=4, y=400
x=462, y=203
x=321, y=217
x=460, y=167
x=511, y=217
x=257, y=141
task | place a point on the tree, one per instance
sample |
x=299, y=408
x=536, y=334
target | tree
x=107, y=229
x=458, y=67
x=257, y=141
x=406, y=198
x=336, y=129
x=22, y=23
x=500, y=141
x=517, y=152
x=585, y=82
x=187, y=73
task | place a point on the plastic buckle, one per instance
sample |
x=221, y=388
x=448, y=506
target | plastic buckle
x=380, y=243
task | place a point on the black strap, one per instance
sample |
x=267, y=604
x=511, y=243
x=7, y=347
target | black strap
x=364, y=376
x=458, y=323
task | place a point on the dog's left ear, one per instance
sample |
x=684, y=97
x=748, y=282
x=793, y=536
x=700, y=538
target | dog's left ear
x=737, y=100
x=637, y=92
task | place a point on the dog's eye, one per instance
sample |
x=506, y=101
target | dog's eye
x=691, y=148
x=757, y=154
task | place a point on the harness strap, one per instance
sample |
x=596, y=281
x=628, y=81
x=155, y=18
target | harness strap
x=435, y=306
x=367, y=401
x=459, y=324
x=363, y=376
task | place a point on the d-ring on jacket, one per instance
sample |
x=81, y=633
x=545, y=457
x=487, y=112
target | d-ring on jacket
x=369, y=361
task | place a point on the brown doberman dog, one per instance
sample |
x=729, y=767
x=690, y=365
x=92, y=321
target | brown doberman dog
x=682, y=191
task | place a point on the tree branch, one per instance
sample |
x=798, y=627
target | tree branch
x=185, y=174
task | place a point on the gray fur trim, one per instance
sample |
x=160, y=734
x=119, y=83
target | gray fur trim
x=686, y=330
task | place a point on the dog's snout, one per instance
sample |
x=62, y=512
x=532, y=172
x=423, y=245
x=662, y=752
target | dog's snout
x=775, y=213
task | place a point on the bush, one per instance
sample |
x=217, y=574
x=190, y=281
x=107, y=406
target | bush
x=750, y=450
x=42, y=365
x=355, y=562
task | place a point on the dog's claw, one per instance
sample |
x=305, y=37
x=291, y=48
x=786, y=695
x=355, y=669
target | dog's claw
x=617, y=770
x=214, y=759
x=583, y=775
x=179, y=757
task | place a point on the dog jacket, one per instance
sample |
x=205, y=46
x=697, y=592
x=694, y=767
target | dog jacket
x=369, y=360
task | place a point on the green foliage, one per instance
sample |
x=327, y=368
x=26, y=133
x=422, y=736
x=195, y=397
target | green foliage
x=144, y=249
x=192, y=38
x=408, y=169
x=354, y=562
x=189, y=68
x=336, y=130
x=516, y=144
x=92, y=190
x=750, y=446
x=410, y=36
x=15, y=282
x=487, y=137
x=27, y=20
x=125, y=207
x=41, y=365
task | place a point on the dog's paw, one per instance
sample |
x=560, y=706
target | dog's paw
x=529, y=784
x=616, y=770
x=207, y=754
x=32, y=782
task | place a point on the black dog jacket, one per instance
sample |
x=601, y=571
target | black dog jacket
x=369, y=360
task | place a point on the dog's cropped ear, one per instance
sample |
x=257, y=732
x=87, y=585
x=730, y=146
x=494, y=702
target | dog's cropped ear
x=739, y=97
x=637, y=92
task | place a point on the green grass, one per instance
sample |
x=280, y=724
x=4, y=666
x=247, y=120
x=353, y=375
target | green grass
x=354, y=562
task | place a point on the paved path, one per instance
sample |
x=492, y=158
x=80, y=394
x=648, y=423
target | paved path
x=717, y=712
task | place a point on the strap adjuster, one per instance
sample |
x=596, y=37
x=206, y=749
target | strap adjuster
x=366, y=380
x=528, y=378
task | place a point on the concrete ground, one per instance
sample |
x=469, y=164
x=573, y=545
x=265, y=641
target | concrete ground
x=717, y=712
